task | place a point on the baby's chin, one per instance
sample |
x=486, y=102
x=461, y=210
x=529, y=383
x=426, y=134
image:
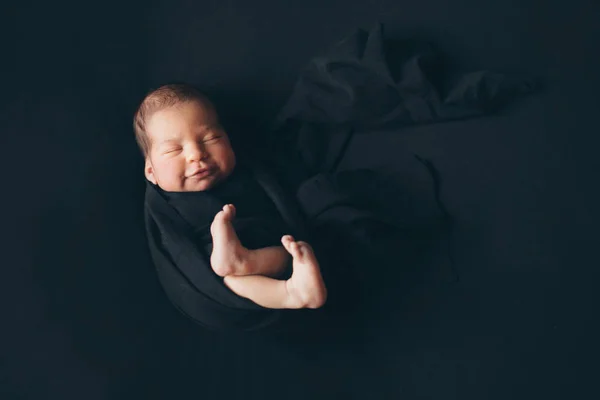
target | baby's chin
x=188, y=185
x=199, y=187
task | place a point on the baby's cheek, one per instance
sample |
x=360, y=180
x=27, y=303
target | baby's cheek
x=229, y=160
x=173, y=171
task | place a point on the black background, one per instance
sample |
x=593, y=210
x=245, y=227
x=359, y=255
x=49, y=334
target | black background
x=83, y=316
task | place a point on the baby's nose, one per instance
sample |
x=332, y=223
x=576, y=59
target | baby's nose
x=196, y=154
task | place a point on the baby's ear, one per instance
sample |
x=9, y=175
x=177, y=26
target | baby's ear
x=149, y=171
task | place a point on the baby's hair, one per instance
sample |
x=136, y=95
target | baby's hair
x=164, y=97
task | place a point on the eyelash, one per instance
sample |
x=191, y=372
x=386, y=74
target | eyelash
x=211, y=139
x=204, y=141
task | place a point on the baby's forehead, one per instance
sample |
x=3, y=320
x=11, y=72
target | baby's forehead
x=192, y=111
x=204, y=111
x=204, y=105
x=182, y=116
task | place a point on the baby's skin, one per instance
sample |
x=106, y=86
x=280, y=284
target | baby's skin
x=249, y=272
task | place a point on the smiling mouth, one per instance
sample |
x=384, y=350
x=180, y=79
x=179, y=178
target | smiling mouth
x=201, y=174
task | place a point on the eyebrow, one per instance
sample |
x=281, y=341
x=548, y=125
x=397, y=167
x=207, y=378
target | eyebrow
x=167, y=141
x=203, y=129
x=207, y=127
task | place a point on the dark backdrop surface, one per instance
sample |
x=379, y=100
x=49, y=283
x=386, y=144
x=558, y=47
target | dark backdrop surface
x=82, y=313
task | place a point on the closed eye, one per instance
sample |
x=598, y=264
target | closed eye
x=173, y=150
x=211, y=139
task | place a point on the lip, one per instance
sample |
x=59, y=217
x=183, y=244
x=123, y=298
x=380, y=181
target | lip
x=200, y=173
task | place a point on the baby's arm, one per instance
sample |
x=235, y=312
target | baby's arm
x=305, y=288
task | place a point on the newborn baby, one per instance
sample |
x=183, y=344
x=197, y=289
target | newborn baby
x=186, y=150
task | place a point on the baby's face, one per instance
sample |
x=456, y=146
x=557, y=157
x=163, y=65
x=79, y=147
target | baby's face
x=189, y=151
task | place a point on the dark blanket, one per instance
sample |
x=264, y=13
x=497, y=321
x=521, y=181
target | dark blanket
x=367, y=82
x=257, y=222
x=179, y=241
x=352, y=89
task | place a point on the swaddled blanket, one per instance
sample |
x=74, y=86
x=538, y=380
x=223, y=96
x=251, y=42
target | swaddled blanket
x=257, y=221
x=178, y=229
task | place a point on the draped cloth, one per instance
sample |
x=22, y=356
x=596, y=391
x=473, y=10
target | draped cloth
x=360, y=86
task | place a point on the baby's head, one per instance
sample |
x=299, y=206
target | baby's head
x=185, y=148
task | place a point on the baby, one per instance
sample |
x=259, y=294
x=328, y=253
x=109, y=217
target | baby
x=186, y=150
